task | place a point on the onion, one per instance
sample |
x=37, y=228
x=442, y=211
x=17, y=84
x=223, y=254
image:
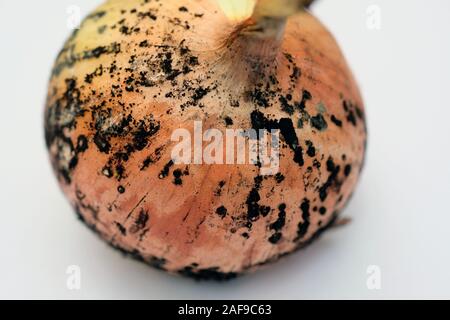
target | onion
x=137, y=71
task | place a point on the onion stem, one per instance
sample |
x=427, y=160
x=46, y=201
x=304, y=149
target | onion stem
x=269, y=17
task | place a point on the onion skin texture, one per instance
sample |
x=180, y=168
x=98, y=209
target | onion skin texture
x=137, y=70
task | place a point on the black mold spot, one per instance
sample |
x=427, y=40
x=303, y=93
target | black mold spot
x=200, y=93
x=258, y=97
x=219, y=188
x=102, y=143
x=177, y=177
x=311, y=151
x=332, y=179
x=140, y=222
x=207, y=274
x=351, y=118
x=304, y=225
x=287, y=130
x=347, y=170
x=285, y=106
x=165, y=171
x=61, y=118
x=279, y=178
x=281, y=221
x=306, y=96
x=318, y=122
x=228, y=121
x=275, y=238
x=222, y=211
x=82, y=144
x=121, y=228
x=144, y=44
x=278, y=224
x=336, y=121
x=254, y=209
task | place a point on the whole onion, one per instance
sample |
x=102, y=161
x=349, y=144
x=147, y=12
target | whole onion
x=138, y=70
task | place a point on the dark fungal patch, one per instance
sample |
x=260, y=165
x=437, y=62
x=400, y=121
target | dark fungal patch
x=60, y=119
x=200, y=93
x=287, y=131
x=141, y=221
x=323, y=210
x=281, y=221
x=96, y=15
x=347, y=170
x=228, y=121
x=311, y=151
x=98, y=72
x=147, y=162
x=121, y=189
x=259, y=97
x=102, y=29
x=285, y=106
x=351, y=118
x=304, y=225
x=165, y=171
x=219, y=188
x=68, y=58
x=254, y=209
x=213, y=273
x=332, y=179
x=306, y=96
x=336, y=121
x=134, y=136
x=360, y=113
x=121, y=228
x=318, y=122
x=279, y=178
x=150, y=14
x=82, y=144
x=177, y=174
x=354, y=113
x=221, y=211
x=275, y=238
x=82, y=203
x=278, y=224
x=102, y=143
x=144, y=44
x=296, y=72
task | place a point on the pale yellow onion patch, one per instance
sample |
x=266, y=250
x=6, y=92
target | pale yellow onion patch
x=237, y=10
x=277, y=8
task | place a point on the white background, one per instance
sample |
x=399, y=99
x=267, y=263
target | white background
x=400, y=212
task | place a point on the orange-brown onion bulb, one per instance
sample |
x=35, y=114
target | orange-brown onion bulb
x=137, y=70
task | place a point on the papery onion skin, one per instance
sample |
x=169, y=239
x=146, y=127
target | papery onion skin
x=137, y=70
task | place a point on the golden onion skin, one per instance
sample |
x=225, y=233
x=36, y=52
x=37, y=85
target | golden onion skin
x=137, y=70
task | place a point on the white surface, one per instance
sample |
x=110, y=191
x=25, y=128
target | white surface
x=400, y=212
